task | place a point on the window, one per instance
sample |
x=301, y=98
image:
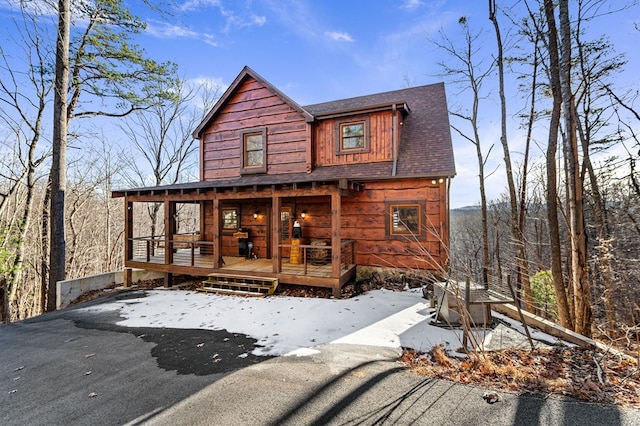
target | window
x=404, y=219
x=285, y=226
x=230, y=221
x=353, y=136
x=254, y=150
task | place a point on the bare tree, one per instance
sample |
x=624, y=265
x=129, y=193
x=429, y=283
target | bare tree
x=23, y=115
x=551, y=38
x=575, y=195
x=103, y=65
x=162, y=137
x=467, y=70
x=594, y=65
x=516, y=231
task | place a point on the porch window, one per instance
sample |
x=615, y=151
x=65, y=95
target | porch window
x=353, y=136
x=254, y=151
x=404, y=219
x=230, y=219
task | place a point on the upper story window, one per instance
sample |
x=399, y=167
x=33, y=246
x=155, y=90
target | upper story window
x=254, y=151
x=353, y=136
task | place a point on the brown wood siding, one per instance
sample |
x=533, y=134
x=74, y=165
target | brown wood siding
x=254, y=106
x=380, y=142
x=363, y=220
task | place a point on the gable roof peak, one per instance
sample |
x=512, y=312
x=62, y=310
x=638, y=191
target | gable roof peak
x=247, y=72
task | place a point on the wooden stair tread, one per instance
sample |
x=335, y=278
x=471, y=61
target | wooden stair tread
x=239, y=284
x=231, y=291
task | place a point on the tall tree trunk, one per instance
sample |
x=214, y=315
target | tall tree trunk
x=521, y=261
x=552, y=185
x=59, y=164
x=604, y=246
x=484, y=215
x=46, y=247
x=578, y=242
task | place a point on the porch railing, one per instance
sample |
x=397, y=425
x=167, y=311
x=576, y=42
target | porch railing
x=187, y=250
x=148, y=249
x=347, y=254
x=310, y=259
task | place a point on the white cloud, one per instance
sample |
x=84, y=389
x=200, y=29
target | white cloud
x=339, y=36
x=234, y=19
x=208, y=81
x=193, y=5
x=412, y=4
x=295, y=16
x=161, y=30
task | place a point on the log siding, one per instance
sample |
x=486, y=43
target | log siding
x=380, y=141
x=254, y=106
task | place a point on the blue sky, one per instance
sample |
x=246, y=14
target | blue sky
x=312, y=50
x=317, y=51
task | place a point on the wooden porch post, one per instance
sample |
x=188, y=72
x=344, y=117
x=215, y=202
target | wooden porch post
x=336, y=241
x=217, y=247
x=168, y=279
x=128, y=229
x=127, y=277
x=277, y=232
x=169, y=230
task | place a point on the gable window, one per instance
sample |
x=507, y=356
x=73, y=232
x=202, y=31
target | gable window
x=404, y=219
x=353, y=136
x=254, y=148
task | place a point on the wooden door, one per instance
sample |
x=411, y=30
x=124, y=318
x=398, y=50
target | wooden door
x=286, y=223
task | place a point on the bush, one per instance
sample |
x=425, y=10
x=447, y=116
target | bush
x=542, y=291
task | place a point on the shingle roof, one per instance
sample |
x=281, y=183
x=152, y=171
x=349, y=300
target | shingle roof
x=425, y=145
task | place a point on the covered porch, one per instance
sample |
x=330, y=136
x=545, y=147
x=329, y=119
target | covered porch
x=210, y=227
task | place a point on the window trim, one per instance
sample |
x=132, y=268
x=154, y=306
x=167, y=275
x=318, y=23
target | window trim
x=391, y=205
x=229, y=230
x=340, y=150
x=244, y=168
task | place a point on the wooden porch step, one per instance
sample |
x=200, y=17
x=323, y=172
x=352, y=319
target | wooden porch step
x=243, y=285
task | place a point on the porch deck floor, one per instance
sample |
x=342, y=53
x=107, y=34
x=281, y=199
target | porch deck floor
x=240, y=264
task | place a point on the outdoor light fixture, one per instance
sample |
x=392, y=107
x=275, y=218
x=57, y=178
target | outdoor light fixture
x=303, y=214
x=433, y=182
x=255, y=214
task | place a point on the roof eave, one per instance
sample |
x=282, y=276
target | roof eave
x=388, y=106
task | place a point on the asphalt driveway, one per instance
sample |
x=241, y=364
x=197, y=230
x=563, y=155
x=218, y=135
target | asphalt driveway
x=81, y=368
x=74, y=367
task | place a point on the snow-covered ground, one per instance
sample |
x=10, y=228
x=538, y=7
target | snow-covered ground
x=292, y=325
